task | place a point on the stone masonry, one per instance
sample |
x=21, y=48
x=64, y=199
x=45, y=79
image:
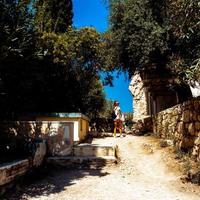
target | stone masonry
x=140, y=102
x=155, y=90
x=181, y=123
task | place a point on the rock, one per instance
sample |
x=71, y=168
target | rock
x=191, y=129
x=166, y=143
x=180, y=128
x=197, y=126
x=186, y=116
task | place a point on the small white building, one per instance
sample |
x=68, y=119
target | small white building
x=80, y=123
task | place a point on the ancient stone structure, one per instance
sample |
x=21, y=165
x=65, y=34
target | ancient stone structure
x=181, y=123
x=155, y=90
x=140, y=102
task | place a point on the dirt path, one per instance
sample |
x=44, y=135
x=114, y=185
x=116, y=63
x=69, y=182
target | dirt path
x=141, y=175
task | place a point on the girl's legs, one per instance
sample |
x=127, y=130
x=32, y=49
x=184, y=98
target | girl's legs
x=120, y=127
x=117, y=125
x=115, y=128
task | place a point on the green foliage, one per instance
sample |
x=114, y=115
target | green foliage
x=75, y=49
x=60, y=74
x=52, y=71
x=17, y=48
x=137, y=37
x=53, y=15
x=17, y=31
x=77, y=55
x=184, y=23
x=160, y=33
x=108, y=109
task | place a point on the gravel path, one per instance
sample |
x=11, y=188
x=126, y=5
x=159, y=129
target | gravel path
x=141, y=175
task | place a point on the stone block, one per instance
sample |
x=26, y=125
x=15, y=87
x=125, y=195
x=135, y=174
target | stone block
x=197, y=126
x=197, y=133
x=191, y=129
x=187, y=143
x=164, y=123
x=85, y=150
x=190, y=106
x=196, y=105
x=174, y=119
x=198, y=157
x=186, y=116
x=193, y=116
x=175, y=112
x=181, y=127
x=195, y=151
x=197, y=141
x=186, y=125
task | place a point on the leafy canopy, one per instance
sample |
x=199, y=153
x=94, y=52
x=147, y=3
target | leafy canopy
x=17, y=29
x=45, y=65
x=164, y=33
x=53, y=15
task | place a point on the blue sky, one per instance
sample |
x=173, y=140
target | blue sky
x=94, y=13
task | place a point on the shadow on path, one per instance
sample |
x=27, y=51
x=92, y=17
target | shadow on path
x=55, y=182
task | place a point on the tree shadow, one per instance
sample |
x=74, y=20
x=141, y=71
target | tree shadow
x=18, y=140
x=52, y=182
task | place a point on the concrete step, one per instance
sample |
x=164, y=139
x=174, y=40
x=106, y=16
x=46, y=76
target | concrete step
x=79, y=162
x=85, y=150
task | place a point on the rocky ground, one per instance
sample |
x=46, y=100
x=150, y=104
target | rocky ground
x=145, y=171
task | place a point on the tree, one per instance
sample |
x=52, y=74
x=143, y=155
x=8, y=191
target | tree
x=184, y=35
x=76, y=62
x=41, y=71
x=17, y=48
x=137, y=37
x=17, y=30
x=108, y=109
x=53, y=15
x=162, y=33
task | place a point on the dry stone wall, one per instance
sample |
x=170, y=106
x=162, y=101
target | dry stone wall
x=181, y=123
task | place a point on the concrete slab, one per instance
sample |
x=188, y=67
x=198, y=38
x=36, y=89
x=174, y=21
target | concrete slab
x=96, y=150
x=89, y=162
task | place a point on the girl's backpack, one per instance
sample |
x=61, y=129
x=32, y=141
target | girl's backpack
x=113, y=115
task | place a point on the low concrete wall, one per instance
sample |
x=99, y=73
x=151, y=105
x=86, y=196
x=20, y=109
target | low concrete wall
x=9, y=172
x=94, y=150
x=181, y=123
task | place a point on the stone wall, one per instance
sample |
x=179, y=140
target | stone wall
x=181, y=123
x=142, y=126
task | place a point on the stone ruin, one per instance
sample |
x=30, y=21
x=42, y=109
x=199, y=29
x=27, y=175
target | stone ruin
x=154, y=90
